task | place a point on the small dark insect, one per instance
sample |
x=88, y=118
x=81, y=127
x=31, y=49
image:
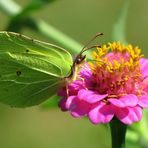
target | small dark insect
x=80, y=58
x=18, y=73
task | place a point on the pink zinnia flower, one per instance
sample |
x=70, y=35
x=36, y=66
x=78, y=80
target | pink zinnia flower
x=115, y=84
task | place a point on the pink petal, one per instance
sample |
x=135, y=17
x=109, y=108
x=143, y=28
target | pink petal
x=76, y=84
x=101, y=114
x=62, y=104
x=90, y=96
x=129, y=115
x=86, y=72
x=69, y=102
x=80, y=108
x=128, y=100
x=144, y=66
x=75, y=87
x=77, y=107
x=143, y=101
x=77, y=114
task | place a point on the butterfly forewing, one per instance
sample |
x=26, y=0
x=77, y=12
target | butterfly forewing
x=30, y=71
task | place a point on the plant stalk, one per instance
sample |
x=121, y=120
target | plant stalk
x=118, y=133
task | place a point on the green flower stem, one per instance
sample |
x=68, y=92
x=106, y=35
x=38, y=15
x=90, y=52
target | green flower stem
x=12, y=9
x=118, y=132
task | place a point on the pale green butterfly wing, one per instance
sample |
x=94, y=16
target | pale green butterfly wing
x=30, y=71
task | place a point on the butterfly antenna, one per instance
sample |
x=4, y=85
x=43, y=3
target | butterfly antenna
x=85, y=47
x=79, y=58
x=94, y=46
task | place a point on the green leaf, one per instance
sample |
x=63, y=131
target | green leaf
x=32, y=6
x=30, y=71
x=119, y=28
x=35, y=5
x=21, y=18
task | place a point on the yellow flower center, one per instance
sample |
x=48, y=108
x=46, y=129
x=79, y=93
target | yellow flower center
x=116, y=66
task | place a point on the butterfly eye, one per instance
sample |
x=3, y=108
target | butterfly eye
x=80, y=59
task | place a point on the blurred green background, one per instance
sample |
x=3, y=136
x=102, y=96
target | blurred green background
x=37, y=127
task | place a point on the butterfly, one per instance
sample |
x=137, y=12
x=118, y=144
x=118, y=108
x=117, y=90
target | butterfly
x=30, y=70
